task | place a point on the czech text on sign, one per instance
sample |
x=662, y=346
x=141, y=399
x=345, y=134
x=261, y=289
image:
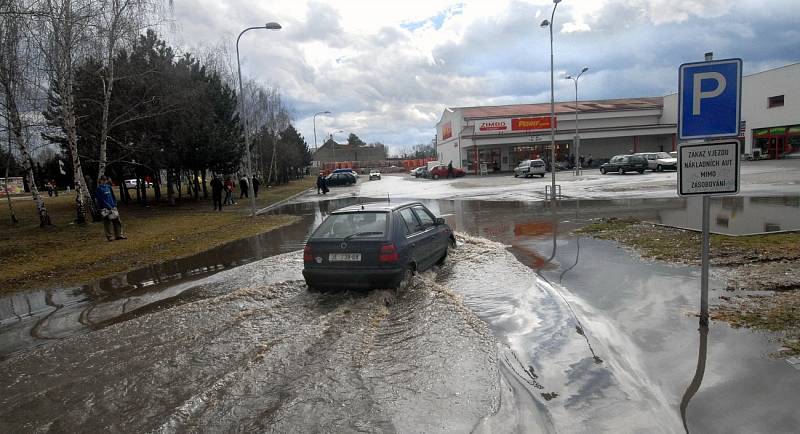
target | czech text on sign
x=709, y=96
x=708, y=168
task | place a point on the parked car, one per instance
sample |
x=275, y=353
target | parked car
x=133, y=183
x=624, y=163
x=374, y=174
x=375, y=246
x=441, y=171
x=350, y=171
x=528, y=168
x=419, y=171
x=660, y=161
x=340, y=178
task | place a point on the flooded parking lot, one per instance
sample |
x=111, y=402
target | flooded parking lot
x=526, y=326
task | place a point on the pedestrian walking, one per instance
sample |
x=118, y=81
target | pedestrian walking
x=589, y=161
x=216, y=193
x=582, y=159
x=256, y=184
x=243, y=188
x=320, y=183
x=229, y=187
x=49, y=187
x=108, y=209
x=450, y=170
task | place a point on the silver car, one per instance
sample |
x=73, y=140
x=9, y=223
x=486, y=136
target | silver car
x=659, y=161
x=528, y=168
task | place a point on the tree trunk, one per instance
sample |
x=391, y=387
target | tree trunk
x=108, y=89
x=205, y=189
x=15, y=122
x=196, y=184
x=157, y=185
x=8, y=166
x=170, y=187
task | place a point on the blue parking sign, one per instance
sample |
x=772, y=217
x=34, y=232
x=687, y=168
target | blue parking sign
x=709, y=99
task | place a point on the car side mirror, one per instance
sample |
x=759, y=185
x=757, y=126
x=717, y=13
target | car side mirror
x=440, y=221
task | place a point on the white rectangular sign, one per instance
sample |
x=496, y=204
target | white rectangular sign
x=708, y=168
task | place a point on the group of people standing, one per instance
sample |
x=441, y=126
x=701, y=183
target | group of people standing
x=218, y=186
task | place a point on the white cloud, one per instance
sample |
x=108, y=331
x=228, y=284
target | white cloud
x=387, y=69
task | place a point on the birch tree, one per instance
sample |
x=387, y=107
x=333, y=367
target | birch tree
x=119, y=23
x=62, y=40
x=12, y=83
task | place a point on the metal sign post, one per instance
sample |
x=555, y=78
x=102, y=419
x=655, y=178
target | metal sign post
x=709, y=107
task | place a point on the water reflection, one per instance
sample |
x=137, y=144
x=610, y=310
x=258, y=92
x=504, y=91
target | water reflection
x=694, y=386
x=737, y=215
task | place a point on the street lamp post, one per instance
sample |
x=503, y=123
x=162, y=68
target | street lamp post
x=268, y=26
x=549, y=24
x=577, y=134
x=314, y=118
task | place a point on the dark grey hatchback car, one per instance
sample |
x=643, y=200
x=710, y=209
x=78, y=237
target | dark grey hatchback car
x=374, y=246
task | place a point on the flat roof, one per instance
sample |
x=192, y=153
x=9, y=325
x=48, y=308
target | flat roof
x=561, y=107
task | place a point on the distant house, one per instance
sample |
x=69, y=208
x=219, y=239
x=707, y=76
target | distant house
x=331, y=152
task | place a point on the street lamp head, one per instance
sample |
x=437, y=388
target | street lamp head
x=568, y=77
x=272, y=26
x=326, y=112
x=585, y=68
x=556, y=1
x=545, y=23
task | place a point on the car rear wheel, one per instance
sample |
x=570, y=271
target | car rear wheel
x=641, y=171
x=603, y=170
x=659, y=168
x=405, y=281
x=621, y=171
x=516, y=175
x=435, y=176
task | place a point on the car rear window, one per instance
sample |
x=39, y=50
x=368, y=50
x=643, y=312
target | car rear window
x=537, y=164
x=346, y=224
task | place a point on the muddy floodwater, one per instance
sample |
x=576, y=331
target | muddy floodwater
x=526, y=328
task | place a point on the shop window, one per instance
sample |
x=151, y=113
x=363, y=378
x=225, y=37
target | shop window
x=775, y=101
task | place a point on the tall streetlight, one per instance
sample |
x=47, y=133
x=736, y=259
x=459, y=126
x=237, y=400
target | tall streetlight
x=268, y=26
x=577, y=136
x=314, y=118
x=549, y=24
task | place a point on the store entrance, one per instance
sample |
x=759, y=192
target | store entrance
x=776, y=143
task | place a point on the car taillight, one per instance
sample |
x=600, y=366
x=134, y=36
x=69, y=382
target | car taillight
x=308, y=256
x=388, y=254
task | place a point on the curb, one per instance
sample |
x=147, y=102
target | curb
x=283, y=201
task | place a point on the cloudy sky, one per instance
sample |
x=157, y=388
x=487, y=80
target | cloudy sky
x=387, y=69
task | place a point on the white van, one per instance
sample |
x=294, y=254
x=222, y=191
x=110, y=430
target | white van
x=528, y=168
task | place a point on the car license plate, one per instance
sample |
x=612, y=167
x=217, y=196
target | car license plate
x=345, y=257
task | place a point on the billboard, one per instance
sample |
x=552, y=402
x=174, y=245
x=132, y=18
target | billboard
x=499, y=126
x=15, y=186
x=447, y=130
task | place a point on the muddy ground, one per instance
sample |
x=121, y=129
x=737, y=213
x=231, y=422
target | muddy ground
x=272, y=357
x=766, y=263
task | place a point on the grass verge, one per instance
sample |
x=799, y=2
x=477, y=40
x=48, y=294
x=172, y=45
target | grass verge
x=758, y=262
x=68, y=254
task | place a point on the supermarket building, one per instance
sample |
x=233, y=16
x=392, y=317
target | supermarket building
x=502, y=136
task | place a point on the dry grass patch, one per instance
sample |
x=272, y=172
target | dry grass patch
x=67, y=254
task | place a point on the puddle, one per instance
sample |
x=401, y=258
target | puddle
x=621, y=315
x=737, y=215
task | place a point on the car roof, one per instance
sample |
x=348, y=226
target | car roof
x=374, y=207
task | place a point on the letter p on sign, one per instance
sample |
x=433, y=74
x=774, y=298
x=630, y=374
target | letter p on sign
x=709, y=99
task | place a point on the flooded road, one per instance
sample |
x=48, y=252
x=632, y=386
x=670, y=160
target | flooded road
x=511, y=335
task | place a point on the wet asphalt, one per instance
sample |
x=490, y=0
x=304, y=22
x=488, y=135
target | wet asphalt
x=509, y=336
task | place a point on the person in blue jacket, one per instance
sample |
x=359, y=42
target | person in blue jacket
x=108, y=209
